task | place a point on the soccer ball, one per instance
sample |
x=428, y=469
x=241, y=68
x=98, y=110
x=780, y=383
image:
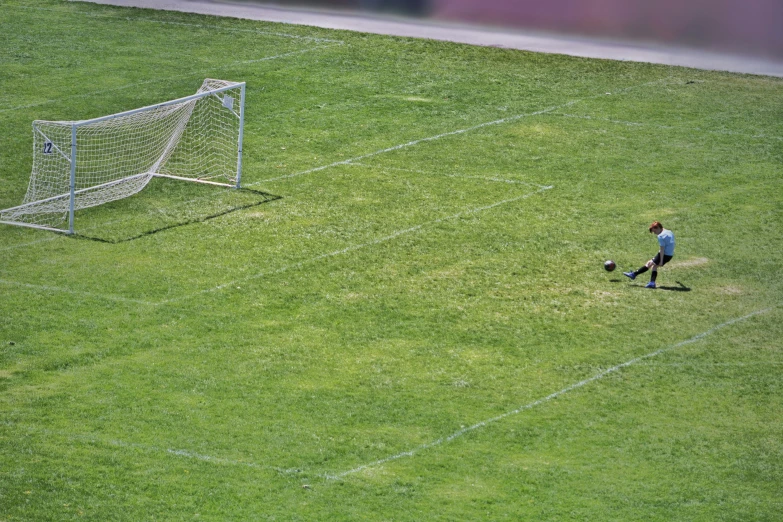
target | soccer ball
x=609, y=266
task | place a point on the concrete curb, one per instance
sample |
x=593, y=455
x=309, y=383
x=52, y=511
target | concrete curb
x=522, y=40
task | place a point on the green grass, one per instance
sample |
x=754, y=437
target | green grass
x=349, y=329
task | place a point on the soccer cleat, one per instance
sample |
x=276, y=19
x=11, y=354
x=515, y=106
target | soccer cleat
x=651, y=284
x=630, y=274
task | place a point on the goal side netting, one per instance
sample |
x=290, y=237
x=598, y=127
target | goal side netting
x=82, y=164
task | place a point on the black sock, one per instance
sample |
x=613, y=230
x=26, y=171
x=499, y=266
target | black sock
x=641, y=270
x=653, y=276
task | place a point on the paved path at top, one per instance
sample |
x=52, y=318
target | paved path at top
x=419, y=28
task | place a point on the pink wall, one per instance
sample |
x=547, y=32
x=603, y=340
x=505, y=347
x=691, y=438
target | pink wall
x=754, y=26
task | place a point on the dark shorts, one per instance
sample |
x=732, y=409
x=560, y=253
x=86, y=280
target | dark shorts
x=657, y=259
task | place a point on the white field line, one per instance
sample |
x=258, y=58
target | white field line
x=456, y=176
x=90, y=295
x=331, y=43
x=415, y=142
x=45, y=239
x=144, y=447
x=276, y=57
x=456, y=132
x=168, y=78
x=669, y=127
x=280, y=270
x=714, y=365
x=484, y=423
x=354, y=248
x=219, y=460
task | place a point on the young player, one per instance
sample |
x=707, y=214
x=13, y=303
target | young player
x=664, y=255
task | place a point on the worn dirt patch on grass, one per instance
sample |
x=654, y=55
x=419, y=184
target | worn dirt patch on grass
x=688, y=263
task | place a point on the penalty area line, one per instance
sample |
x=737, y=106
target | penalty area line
x=360, y=246
x=596, y=377
x=280, y=270
x=415, y=142
x=455, y=133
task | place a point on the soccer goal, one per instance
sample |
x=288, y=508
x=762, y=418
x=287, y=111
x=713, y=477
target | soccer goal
x=82, y=164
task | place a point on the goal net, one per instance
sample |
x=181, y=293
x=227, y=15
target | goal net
x=82, y=164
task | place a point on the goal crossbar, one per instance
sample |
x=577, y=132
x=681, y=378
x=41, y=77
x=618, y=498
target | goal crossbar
x=178, y=101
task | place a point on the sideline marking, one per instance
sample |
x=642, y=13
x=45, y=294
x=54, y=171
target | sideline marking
x=411, y=453
x=353, y=248
x=600, y=375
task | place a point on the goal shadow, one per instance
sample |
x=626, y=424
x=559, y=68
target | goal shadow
x=162, y=206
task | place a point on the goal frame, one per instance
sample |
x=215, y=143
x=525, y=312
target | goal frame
x=74, y=156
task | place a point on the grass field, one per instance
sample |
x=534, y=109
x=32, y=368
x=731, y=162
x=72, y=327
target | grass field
x=413, y=322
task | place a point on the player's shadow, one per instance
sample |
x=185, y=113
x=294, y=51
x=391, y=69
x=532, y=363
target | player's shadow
x=259, y=198
x=679, y=288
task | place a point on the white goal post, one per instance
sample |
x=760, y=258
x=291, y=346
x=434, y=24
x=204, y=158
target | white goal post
x=82, y=164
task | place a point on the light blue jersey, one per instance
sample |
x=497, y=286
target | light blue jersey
x=666, y=240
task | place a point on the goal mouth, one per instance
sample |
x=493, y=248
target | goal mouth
x=47, y=213
x=83, y=164
x=166, y=205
